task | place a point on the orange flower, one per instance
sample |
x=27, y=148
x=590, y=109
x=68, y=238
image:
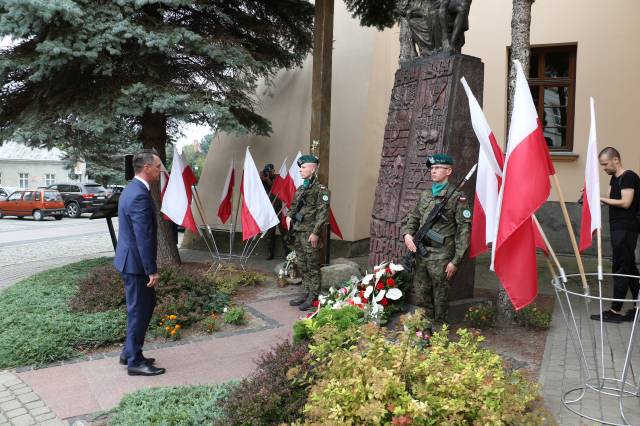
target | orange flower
x=167, y=328
x=173, y=332
x=178, y=326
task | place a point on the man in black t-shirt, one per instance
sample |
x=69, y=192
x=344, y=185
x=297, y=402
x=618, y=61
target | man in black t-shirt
x=624, y=194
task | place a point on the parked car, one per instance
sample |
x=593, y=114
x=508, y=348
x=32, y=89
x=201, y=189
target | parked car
x=39, y=203
x=81, y=197
x=5, y=191
x=114, y=189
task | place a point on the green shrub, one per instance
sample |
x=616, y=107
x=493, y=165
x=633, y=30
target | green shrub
x=481, y=316
x=275, y=393
x=534, y=318
x=228, y=279
x=342, y=319
x=185, y=405
x=38, y=325
x=367, y=379
x=236, y=315
x=211, y=323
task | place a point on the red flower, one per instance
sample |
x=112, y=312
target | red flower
x=315, y=303
x=388, y=271
x=391, y=282
x=384, y=301
x=362, y=294
x=379, y=286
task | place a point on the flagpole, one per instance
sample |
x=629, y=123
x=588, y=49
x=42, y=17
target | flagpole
x=198, y=203
x=567, y=220
x=233, y=170
x=235, y=219
x=550, y=249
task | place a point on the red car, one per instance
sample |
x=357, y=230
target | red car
x=38, y=203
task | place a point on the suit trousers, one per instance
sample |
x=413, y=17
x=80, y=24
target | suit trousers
x=141, y=300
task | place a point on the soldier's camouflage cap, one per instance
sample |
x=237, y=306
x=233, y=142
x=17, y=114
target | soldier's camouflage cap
x=307, y=159
x=440, y=158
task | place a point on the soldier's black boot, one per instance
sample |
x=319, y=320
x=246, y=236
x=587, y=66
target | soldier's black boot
x=299, y=300
x=308, y=303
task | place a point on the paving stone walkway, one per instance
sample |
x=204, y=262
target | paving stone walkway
x=20, y=406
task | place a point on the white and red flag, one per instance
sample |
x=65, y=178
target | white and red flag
x=591, y=217
x=278, y=188
x=226, y=199
x=488, y=179
x=292, y=181
x=525, y=187
x=176, y=202
x=257, y=213
x=164, y=180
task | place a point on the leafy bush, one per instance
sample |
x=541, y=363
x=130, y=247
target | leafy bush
x=367, y=379
x=228, y=279
x=38, y=326
x=481, y=316
x=342, y=319
x=532, y=317
x=235, y=315
x=211, y=323
x=187, y=405
x=275, y=393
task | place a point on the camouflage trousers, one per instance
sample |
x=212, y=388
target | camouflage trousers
x=308, y=261
x=432, y=288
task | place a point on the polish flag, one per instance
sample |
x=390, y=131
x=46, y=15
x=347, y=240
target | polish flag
x=176, y=203
x=333, y=225
x=257, y=213
x=280, y=184
x=226, y=199
x=292, y=181
x=164, y=180
x=591, y=219
x=488, y=180
x=525, y=188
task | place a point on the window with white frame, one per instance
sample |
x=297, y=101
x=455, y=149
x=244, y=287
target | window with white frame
x=23, y=180
x=49, y=179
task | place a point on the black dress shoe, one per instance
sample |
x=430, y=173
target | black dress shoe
x=608, y=316
x=148, y=361
x=145, y=370
x=298, y=300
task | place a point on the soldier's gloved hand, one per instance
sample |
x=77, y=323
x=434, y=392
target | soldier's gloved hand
x=450, y=270
x=408, y=241
x=313, y=240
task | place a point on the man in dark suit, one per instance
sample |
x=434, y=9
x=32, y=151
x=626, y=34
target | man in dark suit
x=136, y=259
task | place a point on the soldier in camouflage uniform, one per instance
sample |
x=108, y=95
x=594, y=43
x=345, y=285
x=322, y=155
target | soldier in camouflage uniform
x=267, y=176
x=434, y=272
x=312, y=215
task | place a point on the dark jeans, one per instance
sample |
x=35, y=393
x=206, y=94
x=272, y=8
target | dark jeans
x=624, y=243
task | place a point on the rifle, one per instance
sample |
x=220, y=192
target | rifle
x=298, y=216
x=425, y=231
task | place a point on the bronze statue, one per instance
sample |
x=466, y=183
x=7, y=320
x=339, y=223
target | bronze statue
x=428, y=27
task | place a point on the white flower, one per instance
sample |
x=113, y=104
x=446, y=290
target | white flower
x=367, y=291
x=225, y=309
x=394, y=293
x=380, y=295
x=322, y=299
x=357, y=300
x=379, y=275
x=380, y=266
x=367, y=279
x=396, y=267
x=332, y=290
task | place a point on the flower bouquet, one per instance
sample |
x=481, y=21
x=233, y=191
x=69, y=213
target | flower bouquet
x=290, y=265
x=375, y=293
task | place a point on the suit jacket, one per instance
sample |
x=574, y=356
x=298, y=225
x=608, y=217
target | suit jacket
x=137, y=231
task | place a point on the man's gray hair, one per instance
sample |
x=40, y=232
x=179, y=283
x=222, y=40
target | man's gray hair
x=142, y=157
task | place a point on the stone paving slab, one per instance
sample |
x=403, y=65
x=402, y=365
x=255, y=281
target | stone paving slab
x=20, y=406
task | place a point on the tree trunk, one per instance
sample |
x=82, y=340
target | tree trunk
x=520, y=45
x=154, y=135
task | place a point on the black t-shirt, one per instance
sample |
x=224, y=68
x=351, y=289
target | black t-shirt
x=619, y=218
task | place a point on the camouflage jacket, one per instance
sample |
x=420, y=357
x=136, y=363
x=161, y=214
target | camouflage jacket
x=315, y=208
x=455, y=225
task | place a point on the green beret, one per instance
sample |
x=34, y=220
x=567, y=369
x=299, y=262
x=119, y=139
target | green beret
x=307, y=159
x=440, y=158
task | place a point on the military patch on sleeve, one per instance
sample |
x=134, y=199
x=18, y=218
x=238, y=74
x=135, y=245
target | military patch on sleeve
x=325, y=198
x=466, y=213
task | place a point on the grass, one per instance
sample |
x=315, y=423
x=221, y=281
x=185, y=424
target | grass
x=39, y=328
x=185, y=405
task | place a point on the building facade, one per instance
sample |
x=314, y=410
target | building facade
x=24, y=167
x=580, y=48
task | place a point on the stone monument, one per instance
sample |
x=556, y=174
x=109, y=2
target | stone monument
x=428, y=113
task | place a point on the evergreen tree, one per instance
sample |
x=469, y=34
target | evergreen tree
x=376, y=13
x=88, y=66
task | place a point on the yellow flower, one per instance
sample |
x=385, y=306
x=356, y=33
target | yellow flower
x=173, y=332
x=172, y=317
x=167, y=328
x=178, y=326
